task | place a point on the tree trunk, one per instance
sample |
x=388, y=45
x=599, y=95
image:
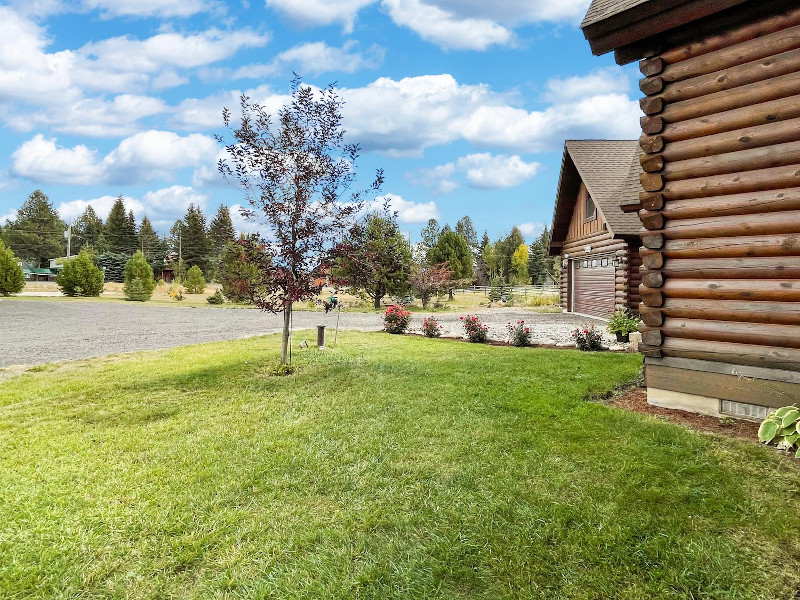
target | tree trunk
x=450, y=294
x=377, y=300
x=287, y=316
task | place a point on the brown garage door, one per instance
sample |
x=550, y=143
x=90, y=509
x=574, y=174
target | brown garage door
x=593, y=287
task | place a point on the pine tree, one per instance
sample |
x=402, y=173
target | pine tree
x=466, y=229
x=221, y=230
x=149, y=242
x=88, y=230
x=430, y=234
x=506, y=249
x=131, y=236
x=195, y=241
x=117, y=231
x=12, y=279
x=195, y=283
x=80, y=276
x=453, y=250
x=37, y=234
x=139, y=281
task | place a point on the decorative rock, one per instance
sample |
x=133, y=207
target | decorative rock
x=548, y=342
x=565, y=345
x=635, y=340
x=616, y=348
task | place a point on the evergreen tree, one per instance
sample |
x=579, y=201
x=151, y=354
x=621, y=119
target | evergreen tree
x=237, y=274
x=117, y=231
x=506, y=249
x=113, y=266
x=131, y=236
x=221, y=230
x=37, y=234
x=466, y=229
x=88, y=231
x=452, y=249
x=195, y=243
x=195, y=283
x=430, y=234
x=540, y=263
x=80, y=276
x=481, y=269
x=374, y=258
x=149, y=242
x=139, y=281
x=12, y=279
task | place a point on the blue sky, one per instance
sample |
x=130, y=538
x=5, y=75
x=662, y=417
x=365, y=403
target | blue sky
x=464, y=103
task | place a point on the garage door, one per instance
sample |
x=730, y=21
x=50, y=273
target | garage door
x=593, y=287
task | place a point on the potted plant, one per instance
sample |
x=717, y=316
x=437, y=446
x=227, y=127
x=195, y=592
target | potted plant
x=622, y=323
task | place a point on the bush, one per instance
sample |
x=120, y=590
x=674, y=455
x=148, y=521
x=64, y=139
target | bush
x=431, y=327
x=624, y=322
x=12, y=279
x=195, y=284
x=113, y=266
x=80, y=277
x=587, y=338
x=216, y=298
x=518, y=334
x=476, y=331
x=236, y=274
x=176, y=292
x=782, y=428
x=137, y=269
x=396, y=319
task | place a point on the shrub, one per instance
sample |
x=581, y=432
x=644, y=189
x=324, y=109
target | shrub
x=587, y=338
x=12, y=279
x=236, y=274
x=216, y=298
x=518, y=334
x=396, y=319
x=431, y=327
x=195, y=284
x=476, y=331
x=113, y=266
x=80, y=277
x=624, y=322
x=176, y=292
x=137, y=269
x=782, y=428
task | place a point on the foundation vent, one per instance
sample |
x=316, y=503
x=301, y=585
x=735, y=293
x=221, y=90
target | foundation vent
x=744, y=410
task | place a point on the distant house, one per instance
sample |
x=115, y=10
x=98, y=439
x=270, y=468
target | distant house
x=33, y=273
x=598, y=243
x=720, y=196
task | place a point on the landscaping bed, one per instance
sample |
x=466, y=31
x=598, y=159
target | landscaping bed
x=388, y=467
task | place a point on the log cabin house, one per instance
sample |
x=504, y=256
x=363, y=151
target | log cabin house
x=720, y=196
x=598, y=243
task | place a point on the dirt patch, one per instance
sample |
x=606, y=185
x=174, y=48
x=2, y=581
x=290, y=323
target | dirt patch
x=635, y=399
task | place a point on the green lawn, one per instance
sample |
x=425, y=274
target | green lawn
x=391, y=467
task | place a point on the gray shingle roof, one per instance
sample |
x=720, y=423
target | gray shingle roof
x=610, y=170
x=603, y=9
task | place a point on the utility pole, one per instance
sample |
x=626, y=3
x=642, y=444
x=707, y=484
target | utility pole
x=180, y=247
x=68, y=235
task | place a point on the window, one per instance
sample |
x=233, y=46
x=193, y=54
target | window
x=585, y=264
x=604, y=262
x=594, y=263
x=591, y=209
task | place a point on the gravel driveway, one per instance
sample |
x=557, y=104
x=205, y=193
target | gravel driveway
x=42, y=331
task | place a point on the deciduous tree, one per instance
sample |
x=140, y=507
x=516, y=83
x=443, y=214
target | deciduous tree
x=428, y=280
x=519, y=265
x=294, y=174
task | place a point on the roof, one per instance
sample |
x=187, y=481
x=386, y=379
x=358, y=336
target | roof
x=603, y=9
x=37, y=271
x=610, y=171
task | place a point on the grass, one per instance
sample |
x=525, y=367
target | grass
x=389, y=467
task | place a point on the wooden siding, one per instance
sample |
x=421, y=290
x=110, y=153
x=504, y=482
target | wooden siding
x=720, y=275
x=579, y=227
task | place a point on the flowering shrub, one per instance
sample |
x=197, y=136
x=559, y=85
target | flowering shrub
x=518, y=334
x=588, y=338
x=396, y=319
x=476, y=331
x=431, y=327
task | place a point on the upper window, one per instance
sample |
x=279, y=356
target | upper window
x=591, y=209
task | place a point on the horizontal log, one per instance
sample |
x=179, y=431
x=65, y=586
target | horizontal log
x=651, y=124
x=730, y=247
x=653, y=261
x=651, y=220
x=651, y=162
x=653, y=279
x=776, y=155
x=733, y=183
x=738, y=97
x=757, y=48
x=732, y=289
x=651, y=66
x=651, y=143
x=774, y=111
x=651, y=105
x=651, y=316
x=755, y=71
x=731, y=226
x=701, y=44
x=728, y=352
x=773, y=267
x=651, y=200
x=652, y=241
x=745, y=311
x=736, y=204
x=762, y=334
x=652, y=337
x=651, y=182
x=757, y=136
x=650, y=351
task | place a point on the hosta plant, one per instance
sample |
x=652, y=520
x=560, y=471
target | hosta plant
x=782, y=428
x=396, y=319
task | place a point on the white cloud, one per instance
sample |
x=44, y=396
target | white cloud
x=531, y=230
x=481, y=171
x=151, y=8
x=142, y=157
x=174, y=198
x=73, y=209
x=314, y=58
x=162, y=206
x=407, y=211
x=320, y=12
x=603, y=81
x=11, y=216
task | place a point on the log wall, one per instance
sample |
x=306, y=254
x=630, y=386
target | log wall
x=720, y=256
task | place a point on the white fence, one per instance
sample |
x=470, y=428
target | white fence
x=517, y=290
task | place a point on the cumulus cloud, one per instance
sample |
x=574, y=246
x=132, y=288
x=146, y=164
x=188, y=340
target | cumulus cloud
x=482, y=171
x=73, y=209
x=321, y=12
x=407, y=210
x=531, y=230
x=151, y=8
x=314, y=58
x=10, y=216
x=142, y=157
